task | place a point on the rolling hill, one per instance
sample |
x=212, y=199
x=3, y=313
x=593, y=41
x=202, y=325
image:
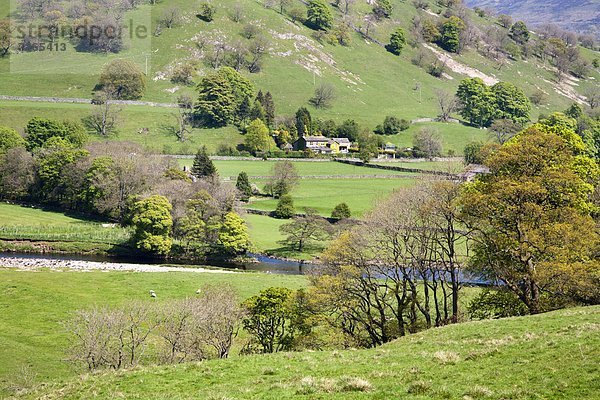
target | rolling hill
x=370, y=83
x=549, y=356
x=574, y=15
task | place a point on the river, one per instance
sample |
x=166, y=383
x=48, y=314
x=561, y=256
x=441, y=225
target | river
x=261, y=263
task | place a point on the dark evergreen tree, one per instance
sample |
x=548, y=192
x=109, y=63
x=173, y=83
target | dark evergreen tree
x=269, y=107
x=257, y=112
x=243, y=186
x=260, y=97
x=303, y=122
x=244, y=112
x=285, y=207
x=203, y=166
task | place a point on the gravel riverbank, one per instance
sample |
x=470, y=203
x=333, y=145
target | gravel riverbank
x=33, y=264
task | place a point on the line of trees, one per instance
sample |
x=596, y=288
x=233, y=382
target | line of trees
x=172, y=213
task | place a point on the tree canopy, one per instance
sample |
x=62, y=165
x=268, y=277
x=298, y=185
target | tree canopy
x=532, y=216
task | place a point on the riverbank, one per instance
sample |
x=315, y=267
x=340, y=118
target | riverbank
x=38, y=263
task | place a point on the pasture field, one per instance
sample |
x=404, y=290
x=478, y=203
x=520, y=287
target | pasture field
x=159, y=122
x=323, y=195
x=231, y=168
x=27, y=223
x=550, y=356
x=34, y=304
x=266, y=238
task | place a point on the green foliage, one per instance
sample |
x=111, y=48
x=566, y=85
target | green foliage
x=368, y=146
x=274, y=320
x=53, y=160
x=511, y=103
x=496, y=303
x=574, y=111
x=222, y=96
x=539, y=188
x=303, y=122
x=450, y=34
x=472, y=153
x=477, y=101
x=482, y=104
x=519, y=32
x=207, y=12
x=397, y=42
x=9, y=139
x=349, y=129
x=243, y=186
x=153, y=223
x=382, y=9
x=341, y=211
x=39, y=130
x=124, y=79
x=257, y=137
x=318, y=15
x=203, y=166
x=285, y=207
x=392, y=126
x=234, y=238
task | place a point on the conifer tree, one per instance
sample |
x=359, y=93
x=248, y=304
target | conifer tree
x=243, y=186
x=203, y=166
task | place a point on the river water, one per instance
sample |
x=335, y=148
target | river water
x=261, y=263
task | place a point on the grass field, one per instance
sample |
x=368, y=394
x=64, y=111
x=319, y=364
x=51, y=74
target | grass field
x=324, y=194
x=548, y=356
x=266, y=238
x=159, y=138
x=26, y=223
x=231, y=168
x=34, y=304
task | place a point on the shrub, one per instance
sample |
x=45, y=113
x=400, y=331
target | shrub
x=472, y=153
x=392, y=126
x=341, y=211
x=207, y=12
x=285, y=207
x=397, y=42
x=499, y=303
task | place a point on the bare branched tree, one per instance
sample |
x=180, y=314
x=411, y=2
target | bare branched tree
x=324, y=96
x=448, y=104
x=105, y=115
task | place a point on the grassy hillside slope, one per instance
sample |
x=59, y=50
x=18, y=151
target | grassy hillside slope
x=549, y=356
x=370, y=83
x=34, y=304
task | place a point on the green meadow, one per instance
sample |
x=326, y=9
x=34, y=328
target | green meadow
x=547, y=356
x=34, y=304
x=67, y=233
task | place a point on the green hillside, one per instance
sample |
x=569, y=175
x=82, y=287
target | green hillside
x=548, y=356
x=370, y=83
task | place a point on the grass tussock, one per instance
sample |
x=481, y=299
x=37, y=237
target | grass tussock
x=311, y=385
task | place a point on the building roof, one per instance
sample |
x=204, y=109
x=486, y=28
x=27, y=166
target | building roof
x=341, y=140
x=316, y=139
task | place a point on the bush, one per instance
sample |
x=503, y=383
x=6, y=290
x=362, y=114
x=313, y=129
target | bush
x=285, y=207
x=397, y=42
x=341, y=211
x=472, y=153
x=392, y=126
x=183, y=74
x=207, y=12
x=496, y=303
